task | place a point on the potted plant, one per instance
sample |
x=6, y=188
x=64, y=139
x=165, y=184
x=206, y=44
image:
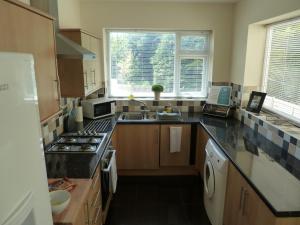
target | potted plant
x=157, y=89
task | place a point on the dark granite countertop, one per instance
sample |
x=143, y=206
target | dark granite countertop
x=272, y=173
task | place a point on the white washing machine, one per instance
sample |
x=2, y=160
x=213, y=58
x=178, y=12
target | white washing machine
x=215, y=179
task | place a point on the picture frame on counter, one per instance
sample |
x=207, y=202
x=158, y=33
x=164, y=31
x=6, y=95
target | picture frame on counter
x=256, y=101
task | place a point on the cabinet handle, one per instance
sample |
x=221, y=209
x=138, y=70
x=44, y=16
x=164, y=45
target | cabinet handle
x=95, y=200
x=97, y=215
x=241, y=197
x=95, y=180
x=58, y=89
x=246, y=194
x=86, y=79
x=94, y=72
x=86, y=214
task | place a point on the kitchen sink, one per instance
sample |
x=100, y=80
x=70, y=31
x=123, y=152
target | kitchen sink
x=132, y=116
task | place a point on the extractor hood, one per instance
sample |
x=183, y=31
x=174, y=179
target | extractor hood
x=65, y=47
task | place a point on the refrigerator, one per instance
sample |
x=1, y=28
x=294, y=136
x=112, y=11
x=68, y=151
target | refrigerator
x=24, y=196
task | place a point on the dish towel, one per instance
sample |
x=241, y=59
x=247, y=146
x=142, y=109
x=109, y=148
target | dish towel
x=175, y=139
x=114, y=175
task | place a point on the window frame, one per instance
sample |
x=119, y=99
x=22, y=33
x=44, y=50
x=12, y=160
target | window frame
x=289, y=117
x=206, y=55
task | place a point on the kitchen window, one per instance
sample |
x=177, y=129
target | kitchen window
x=137, y=59
x=282, y=69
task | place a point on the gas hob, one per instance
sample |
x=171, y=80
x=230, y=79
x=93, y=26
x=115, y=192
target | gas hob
x=81, y=142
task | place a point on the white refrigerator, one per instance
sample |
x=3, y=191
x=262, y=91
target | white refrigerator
x=24, y=197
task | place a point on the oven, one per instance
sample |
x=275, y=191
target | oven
x=109, y=176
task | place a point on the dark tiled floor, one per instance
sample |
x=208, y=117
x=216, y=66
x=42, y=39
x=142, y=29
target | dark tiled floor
x=158, y=201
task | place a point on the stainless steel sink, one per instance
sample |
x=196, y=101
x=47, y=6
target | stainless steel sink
x=133, y=116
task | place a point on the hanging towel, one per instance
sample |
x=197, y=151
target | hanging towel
x=114, y=175
x=175, y=139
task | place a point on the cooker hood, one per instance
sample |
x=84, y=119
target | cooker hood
x=65, y=47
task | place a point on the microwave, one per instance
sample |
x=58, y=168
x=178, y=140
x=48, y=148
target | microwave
x=98, y=108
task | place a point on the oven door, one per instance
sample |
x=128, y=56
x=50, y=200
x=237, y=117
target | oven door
x=109, y=177
x=104, y=109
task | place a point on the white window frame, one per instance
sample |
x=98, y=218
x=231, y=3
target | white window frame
x=271, y=102
x=206, y=55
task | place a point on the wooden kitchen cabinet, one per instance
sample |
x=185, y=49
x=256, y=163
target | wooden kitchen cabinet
x=94, y=202
x=202, y=138
x=137, y=146
x=78, y=77
x=181, y=158
x=31, y=31
x=244, y=207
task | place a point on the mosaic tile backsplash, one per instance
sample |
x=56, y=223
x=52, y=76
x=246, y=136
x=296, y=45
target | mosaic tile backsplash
x=124, y=105
x=55, y=126
x=275, y=129
x=183, y=106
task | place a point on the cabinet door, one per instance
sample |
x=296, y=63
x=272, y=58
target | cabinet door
x=138, y=147
x=181, y=158
x=253, y=210
x=234, y=200
x=202, y=138
x=95, y=47
x=87, y=76
x=28, y=32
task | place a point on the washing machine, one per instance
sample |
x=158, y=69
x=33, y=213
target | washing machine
x=215, y=179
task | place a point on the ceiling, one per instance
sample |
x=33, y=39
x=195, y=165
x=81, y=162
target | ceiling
x=187, y=1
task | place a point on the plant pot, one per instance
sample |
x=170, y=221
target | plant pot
x=156, y=96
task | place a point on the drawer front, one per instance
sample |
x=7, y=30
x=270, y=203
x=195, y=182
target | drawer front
x=94, y=197
x=95, y=209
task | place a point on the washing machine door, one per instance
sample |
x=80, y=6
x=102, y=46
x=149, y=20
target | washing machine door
x=209, y=178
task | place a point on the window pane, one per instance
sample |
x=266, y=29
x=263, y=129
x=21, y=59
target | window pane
x=193, y=43
x=283, y=72
x=191, y=75
x=282, y=69
x=140, y=59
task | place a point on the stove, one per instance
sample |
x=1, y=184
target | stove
x=80, y=142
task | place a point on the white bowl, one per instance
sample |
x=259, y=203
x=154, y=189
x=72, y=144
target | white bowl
x=59, y=200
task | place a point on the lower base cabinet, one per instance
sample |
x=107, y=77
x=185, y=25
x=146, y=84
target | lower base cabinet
x=244, y=207
x=202, y=138
x=137, y=146
x=91, y=210
x=181, y=158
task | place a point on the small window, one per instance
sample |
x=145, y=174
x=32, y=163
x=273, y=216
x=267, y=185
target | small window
x=282, y=69
x=193, y=43
x=138, y=59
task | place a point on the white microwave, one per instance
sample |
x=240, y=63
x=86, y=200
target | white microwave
x=98, y=108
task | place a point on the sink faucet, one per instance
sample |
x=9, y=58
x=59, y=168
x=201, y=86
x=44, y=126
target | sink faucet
x=141, y=102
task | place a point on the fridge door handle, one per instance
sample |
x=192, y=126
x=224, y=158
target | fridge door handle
x=21, y=211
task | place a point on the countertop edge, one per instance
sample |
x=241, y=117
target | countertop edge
x=274, y=211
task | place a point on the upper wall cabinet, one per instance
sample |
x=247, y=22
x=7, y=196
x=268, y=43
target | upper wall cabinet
x=26, y=30
x=80, y=78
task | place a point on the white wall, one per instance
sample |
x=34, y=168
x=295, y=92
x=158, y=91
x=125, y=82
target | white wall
x=25, y=1
x=247, y=12
x=69, y=13
x=188, y=16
